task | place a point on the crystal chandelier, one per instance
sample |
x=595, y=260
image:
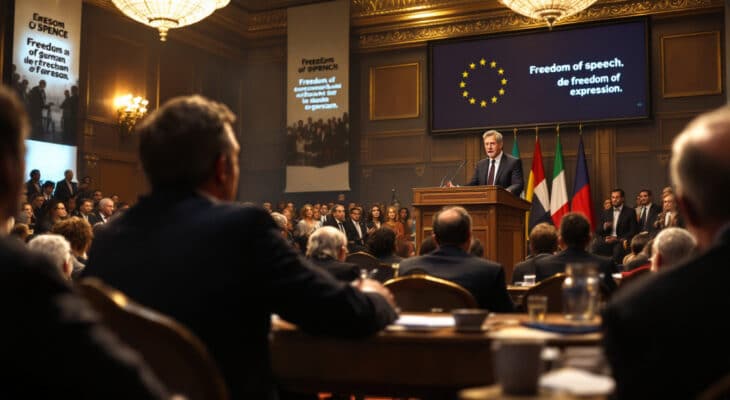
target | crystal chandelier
x=168, y=14
x=550, y=11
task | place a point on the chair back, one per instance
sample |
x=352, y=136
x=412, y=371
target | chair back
x=383, y=273
x=552, y=288
x=719, y=390
x=637, y=275
x=425, y=293
x=178, y=358
x=363, y=260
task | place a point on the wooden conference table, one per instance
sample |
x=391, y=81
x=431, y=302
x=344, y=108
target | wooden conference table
x=434, y=363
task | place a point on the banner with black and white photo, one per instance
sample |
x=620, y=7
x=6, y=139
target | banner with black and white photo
x=318, y=124
x=46, y=46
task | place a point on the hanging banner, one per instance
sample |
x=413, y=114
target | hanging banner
x=46, y=45
x=318, y=124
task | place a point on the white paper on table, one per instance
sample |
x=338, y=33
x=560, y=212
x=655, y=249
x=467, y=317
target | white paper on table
x=425, y=321
x=577, y=382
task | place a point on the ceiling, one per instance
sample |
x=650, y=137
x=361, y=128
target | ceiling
x=266, y=5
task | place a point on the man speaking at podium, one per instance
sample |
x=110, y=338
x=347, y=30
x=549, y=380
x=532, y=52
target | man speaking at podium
x=498, y=169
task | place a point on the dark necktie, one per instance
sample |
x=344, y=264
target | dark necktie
x=490, y=176
x=642, y=219
x=342, y=228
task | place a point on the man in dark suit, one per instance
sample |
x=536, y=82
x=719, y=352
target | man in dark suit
x=483, y=279
x=33, y=186
x=617, y=226
x=220, y=268
x=543, y=243
x=667, y=336
x=647, y=212
x=337, y=218
x=575, y=234
x=499, y=168
x=66, y=188
x=356, y=231
x=52, y=335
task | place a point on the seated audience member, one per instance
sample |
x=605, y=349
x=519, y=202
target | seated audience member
x=543, y=243
x=404, y=247
x=484, y=279
x=639, y=263
x=267, y=206
x=356, y=231
x=51, y=336
x=104, y=213
x=575, y=234
x=306, y=225
x=217, y=267
x=375, y=218
x=404, y=216
x=20, y=231
x=392, y=222
x=79, y=234
x=427, y=245
x=281, y=224
x=381, y=244
x=671, y=247
x=57, y=249
x=475, y=248
x=670, y=215
x=637, y=245
x=327, y=249
x=666, y=336
x=616, y=227
x=55, y=212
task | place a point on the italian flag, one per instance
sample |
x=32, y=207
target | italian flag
x=559, y=196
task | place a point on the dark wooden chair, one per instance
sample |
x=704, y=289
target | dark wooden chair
x=552, y=288
x=425, y=293
x=178, y=358
x=363, y=260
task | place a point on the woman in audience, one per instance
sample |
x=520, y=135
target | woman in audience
x=375, y=219
x=392, y=222
x=404, y=216
x=56, y=212
x=79, y=234
x=306, y=225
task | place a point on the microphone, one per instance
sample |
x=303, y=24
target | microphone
x=461, y=164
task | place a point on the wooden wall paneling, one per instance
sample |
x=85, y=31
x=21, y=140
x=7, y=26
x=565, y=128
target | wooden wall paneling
x=446, y=153
x=691, y=64
x=388, y=148
x=395, y=91
x=120, y=177
x=380, y=181
x=605, y=162
x=180, y=71
x=671, y=125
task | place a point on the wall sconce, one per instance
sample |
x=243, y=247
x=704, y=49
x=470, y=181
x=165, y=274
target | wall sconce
x=129, y=110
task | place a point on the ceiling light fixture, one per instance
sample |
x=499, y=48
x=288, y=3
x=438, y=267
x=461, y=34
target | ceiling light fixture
x=550, y=11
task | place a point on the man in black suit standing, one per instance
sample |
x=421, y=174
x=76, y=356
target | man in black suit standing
x=218, y=267
x=66, y=188
x=33, y=186
x=575, y=234
x=667, y=336
x=499, y=168
x=52, y=336
x=647, y=212
x=451, y=261
x=617, y=227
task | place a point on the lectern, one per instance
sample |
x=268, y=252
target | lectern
x=498, y=219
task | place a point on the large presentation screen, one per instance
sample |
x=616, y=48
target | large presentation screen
x=584, y=74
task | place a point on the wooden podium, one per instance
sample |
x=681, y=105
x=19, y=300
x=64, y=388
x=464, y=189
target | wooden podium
x=498, y=219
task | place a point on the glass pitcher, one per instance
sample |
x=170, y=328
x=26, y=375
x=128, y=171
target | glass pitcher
x=580, y=291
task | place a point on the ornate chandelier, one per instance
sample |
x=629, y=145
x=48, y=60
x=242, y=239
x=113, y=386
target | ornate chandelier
x=168, y=14
x=550, y=11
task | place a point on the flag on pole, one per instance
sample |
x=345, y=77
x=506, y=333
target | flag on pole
x=559, y=194
x=537, y=190
x=516, y=154
x=581, y=201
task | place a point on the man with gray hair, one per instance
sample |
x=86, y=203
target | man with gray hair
x=671, y=246
x=651, y=326
x=57, y=249
x=327, y=249
x=498, y=168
